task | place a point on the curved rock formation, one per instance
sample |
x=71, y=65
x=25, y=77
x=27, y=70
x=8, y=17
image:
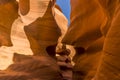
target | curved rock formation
x=43, y=35
x=40, y=33
x=86, y=20
x=84, y=33
x=109, y=67
x=90, y=20
x=8, y=13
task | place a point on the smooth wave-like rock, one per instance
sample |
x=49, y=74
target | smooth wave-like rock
x=32, y=68
x=8, y=13
x=90, y=21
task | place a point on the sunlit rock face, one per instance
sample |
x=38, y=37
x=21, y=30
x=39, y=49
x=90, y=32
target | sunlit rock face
x=17, y=39
x=65, y=6
x=62, y=23
x=12, y=37
x=37, y=32
x=8, y=13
